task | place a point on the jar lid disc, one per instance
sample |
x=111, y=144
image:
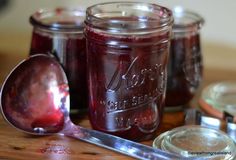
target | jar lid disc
x=194, y=140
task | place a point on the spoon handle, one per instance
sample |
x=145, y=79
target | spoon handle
x=118, y=144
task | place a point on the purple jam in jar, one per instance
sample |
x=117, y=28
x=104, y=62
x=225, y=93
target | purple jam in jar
x=185, y=60
x=127, y=52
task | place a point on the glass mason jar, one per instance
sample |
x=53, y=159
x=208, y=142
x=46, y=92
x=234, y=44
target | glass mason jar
x=185, y=59
x=60, y=32
x=127, y=52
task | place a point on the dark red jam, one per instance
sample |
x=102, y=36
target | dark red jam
x=184, y=69
x=69, y=49
x=126, y=83
x=127, y=54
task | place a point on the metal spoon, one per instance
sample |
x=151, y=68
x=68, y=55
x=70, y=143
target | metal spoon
x=35, y=99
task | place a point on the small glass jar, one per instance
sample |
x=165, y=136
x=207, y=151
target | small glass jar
x=127, y=48
x=185, y=60
x=196, y=141
x=60, y=32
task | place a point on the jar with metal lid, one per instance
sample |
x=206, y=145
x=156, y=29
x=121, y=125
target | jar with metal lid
x=127, y=47
x=59, y=32
x=185, y=65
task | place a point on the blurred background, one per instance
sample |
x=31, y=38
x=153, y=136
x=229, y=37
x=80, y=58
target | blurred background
x=218, y=34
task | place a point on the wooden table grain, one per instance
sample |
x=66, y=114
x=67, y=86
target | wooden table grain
x=15, y=145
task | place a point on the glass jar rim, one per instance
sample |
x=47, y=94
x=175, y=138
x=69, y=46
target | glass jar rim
x=186, y=20
x=54, y=19
x=122, y=21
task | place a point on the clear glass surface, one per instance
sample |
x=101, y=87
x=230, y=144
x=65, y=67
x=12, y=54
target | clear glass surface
x=196, y=141
x=221, y=96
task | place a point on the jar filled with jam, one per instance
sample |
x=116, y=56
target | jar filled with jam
x=60, y=32
x=127, y=53
x=185, y=60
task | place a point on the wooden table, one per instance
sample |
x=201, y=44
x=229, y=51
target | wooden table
x=17, y=145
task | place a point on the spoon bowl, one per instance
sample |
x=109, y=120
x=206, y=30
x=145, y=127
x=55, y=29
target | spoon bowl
x=35, y=99
x=35, y=96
